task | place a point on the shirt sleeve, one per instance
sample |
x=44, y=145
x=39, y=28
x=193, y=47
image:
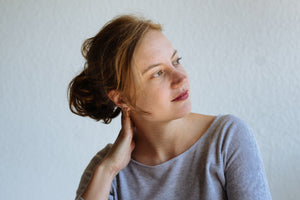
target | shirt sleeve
x=244, y=171
x=88, y=172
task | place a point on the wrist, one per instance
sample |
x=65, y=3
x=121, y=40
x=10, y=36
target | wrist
x=108, y=168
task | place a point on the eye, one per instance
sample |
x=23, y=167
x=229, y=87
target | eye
x=157, y=74
x=177, y=61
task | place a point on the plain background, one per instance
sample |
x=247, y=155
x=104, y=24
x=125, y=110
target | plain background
x=243, y=58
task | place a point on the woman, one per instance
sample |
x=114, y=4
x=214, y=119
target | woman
x=163, y=151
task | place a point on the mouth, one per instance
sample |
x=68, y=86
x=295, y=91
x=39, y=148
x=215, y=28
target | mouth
x=182, y=96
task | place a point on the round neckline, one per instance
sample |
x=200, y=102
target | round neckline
x=183, y=153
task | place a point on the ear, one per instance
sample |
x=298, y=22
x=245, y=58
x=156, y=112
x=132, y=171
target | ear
x=116, y=97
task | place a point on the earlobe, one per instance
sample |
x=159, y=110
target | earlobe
x=116, y=97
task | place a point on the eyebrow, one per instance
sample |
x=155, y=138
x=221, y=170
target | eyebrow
x=155, y=65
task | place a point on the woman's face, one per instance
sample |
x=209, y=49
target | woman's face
x=163, y=90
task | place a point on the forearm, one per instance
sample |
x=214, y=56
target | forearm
x=116, y=159
x=100, y=183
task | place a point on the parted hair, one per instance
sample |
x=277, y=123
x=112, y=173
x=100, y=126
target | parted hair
x=108, y=67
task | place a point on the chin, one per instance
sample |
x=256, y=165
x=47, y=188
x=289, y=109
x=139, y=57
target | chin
x=164, y=115
x=184, y=111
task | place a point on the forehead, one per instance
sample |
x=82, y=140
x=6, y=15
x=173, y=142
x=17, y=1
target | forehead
x=153, y=48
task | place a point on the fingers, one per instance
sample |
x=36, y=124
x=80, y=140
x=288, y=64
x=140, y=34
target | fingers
x=126, y=122
x=132, y=145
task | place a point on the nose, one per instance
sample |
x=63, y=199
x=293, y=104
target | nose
x=178, y=78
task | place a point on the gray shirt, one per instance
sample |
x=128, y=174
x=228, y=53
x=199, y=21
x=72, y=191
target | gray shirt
x=224, y=163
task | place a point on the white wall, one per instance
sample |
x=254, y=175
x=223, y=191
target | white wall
x=242, y=58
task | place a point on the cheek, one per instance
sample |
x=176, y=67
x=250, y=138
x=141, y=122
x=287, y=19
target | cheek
x=154, y=96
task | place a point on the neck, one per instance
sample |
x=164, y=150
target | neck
x=159, y=141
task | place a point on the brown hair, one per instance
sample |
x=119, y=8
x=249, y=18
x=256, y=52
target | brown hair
x=108, y=67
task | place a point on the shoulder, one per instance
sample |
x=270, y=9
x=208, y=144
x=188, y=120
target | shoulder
x=231, y=125
x=221, y=127
x=230, y=133
x=88, y=172
x=235, y=137
x=226, y=122
x=232, y=120
x=243, y=165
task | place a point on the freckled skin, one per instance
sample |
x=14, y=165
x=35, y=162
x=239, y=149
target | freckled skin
x=161, y=83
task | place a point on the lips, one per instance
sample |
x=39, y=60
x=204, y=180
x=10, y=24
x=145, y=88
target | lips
x=182, y=96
